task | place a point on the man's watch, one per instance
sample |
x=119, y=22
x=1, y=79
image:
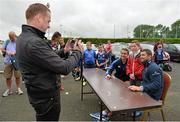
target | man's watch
x=141, y=88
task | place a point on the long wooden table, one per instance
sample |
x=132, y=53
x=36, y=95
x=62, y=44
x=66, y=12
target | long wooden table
x=115, y=94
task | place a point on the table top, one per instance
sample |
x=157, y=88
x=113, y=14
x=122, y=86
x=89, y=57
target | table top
x=115, y=93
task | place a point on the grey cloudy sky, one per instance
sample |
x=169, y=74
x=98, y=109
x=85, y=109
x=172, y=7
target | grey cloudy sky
x=92, y=18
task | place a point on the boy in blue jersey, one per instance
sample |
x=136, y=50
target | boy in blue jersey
x=120, y=66
x=101, y=58
x=89, y=56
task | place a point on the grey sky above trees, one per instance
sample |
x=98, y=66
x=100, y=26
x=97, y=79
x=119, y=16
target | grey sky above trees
x=92, y=18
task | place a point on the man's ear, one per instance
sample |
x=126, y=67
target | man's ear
x=38, y=18
x=150, y=57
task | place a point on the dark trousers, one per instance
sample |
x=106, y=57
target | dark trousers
x=47, y=109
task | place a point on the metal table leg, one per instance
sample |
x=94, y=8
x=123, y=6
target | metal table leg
x=82, y=88
x=101, y=112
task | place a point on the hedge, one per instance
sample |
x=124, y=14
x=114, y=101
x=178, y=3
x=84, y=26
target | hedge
x=128, y=40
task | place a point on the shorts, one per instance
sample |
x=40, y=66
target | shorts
x=9, y=70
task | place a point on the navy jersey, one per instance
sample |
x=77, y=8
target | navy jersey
x=120, y=70
x=101, y=58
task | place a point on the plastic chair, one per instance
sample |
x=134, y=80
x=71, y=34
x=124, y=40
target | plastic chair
x=167, y=82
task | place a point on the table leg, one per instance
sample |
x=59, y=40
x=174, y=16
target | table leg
x=101, y=112
x=134, y=116
x=82, y=88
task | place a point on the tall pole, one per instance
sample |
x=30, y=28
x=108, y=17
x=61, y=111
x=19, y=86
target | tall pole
x=140, y=32
x=114, y=31
x=61, y=30
x=48, y=5
x=127, y=31
x=153, y=32
x=176, y=31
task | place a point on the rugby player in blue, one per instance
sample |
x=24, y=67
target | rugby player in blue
x=120, y=66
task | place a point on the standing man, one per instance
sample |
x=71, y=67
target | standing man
x=40, y=64
x=9, y=51
x=134, y=66
x=54, y=42
x=152, y=77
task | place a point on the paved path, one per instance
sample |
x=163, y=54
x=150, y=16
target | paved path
x=15, y=107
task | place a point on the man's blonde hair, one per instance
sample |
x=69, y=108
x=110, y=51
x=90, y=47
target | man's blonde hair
x=35, y=9
x=136, y=42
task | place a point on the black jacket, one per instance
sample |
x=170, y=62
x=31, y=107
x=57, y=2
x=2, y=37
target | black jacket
x=39, y=64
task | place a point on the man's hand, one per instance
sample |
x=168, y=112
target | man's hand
x=108, y=77
x=134, y=88
x=67, y=47
x=132, y=76
x=10, y=53
x=78, y=46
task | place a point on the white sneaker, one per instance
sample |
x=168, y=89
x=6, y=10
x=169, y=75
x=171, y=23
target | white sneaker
x=19, y=91
x=78, y=78
x=6, y=93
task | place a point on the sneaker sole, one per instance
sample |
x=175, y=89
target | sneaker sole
x=98, y=117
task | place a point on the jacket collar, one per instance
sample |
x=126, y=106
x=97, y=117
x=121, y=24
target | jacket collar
x=147, y=63
x=136, y=54
x=34, y=30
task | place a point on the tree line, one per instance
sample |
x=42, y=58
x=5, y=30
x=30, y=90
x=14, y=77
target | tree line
x=158, y=31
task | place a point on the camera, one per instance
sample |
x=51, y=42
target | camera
x=73, y=41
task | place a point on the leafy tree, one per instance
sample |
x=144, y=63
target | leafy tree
x=175, y=29
x=144, y=31
x=150, y=31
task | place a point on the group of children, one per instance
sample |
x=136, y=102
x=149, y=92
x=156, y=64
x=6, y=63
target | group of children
x=93, y=59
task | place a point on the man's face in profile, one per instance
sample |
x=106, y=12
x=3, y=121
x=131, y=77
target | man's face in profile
x=144, y=57
x=44, y=21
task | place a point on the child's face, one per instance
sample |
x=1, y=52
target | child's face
x=89, y=46
x=160, y=46
x=100, y=48
x=134, y=47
